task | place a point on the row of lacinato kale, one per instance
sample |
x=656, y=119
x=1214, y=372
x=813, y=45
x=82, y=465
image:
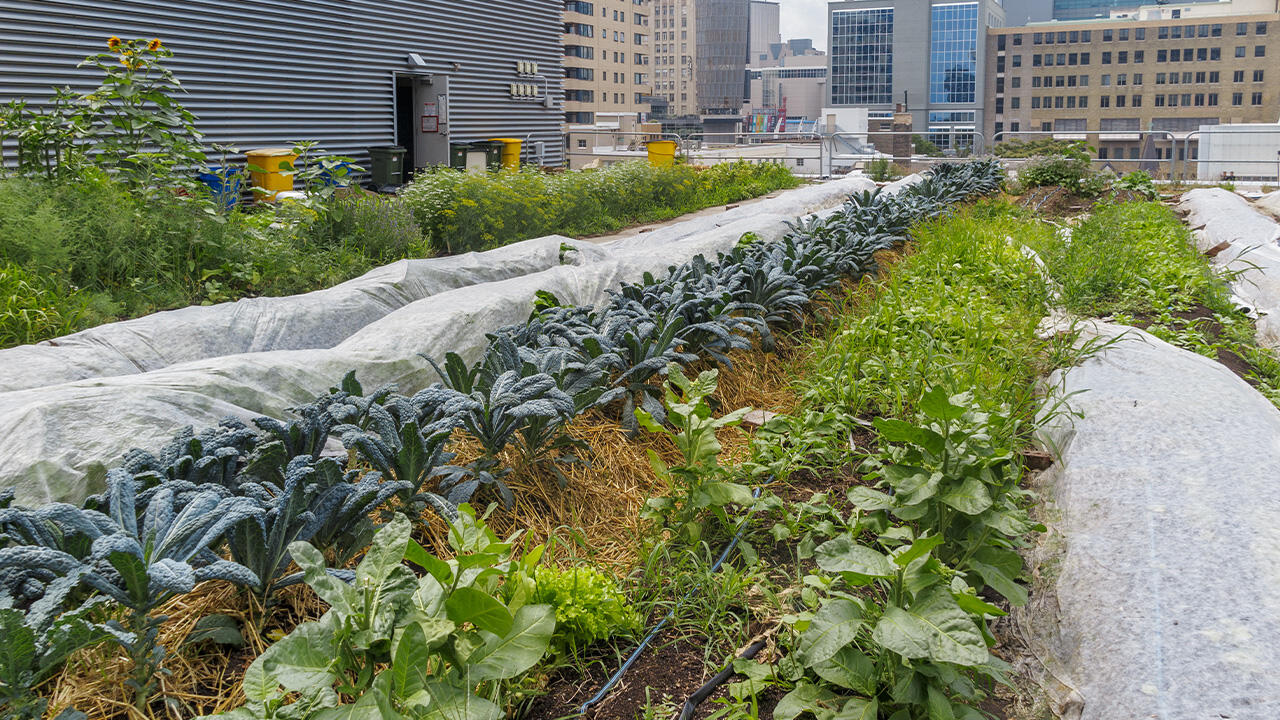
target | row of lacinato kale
x=166, y=521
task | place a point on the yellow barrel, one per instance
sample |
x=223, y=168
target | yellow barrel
x=510, y=152
x=274, y=162
x=662, y=153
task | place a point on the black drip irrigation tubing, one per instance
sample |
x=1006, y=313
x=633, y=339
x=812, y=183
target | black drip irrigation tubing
x=704, y=692
x=613, y=680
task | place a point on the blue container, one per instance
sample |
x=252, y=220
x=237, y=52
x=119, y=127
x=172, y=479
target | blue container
x=338, y=176
x=224, y=184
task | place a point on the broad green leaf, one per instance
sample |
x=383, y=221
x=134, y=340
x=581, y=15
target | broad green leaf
x=970, y=497
x=937, y=405
x=443, y=701
x=18, y=649
x=366, y=707
x=339, y=595
x=834, y=626
x=859, y=709
x=258, y=686
x=520, y=649
x=851, y=669
x=428, y=599
x=868, y=500
x=386, y=605
x=386, y=552
x=470, y=605
x=898, y=431
x=418, y=555
x=805, y=698
x=221, y=629
x=724, y=493
x=938, y=703
x=912, y=485
x=919, y=548
x=410, y=662
x=977, y=606
x=303, y=660
x=934, y=627
x=999, y=568
x=845, y=554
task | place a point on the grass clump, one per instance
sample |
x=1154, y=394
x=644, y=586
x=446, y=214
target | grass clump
x=959, y=311
x=462, y=212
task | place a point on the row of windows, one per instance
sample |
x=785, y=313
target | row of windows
x=586, y=52
x=1070, y=102
x=788, y=73
x=587, y=96
x=1188, y=77
x=1139, y=56
x=1164, y=32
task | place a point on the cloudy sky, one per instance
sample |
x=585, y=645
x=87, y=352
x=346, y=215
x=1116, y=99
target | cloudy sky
x=805, y=19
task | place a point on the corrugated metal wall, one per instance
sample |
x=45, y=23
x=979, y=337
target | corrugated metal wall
x=271, y=72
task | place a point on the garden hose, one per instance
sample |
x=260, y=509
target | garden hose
x=613, y=680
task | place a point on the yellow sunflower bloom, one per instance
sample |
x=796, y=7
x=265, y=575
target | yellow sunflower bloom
x=113, y=43
x=154, y=45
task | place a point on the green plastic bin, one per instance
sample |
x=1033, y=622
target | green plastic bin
x=386, y=165
x=458, y=155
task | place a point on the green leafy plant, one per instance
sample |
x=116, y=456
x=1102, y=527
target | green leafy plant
x=882, y=170
x=1138, y=183
x=589, y=606
x=445, y=640
x=699, y=484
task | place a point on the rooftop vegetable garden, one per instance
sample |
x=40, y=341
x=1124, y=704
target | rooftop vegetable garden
x=102, y=218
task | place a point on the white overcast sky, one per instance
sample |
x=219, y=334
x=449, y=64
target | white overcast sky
x=805, y=19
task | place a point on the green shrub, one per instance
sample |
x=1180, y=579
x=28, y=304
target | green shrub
x=382, y=226
x=589, y=605
x=1042, y=146
x=1138, y=182
x=923, y=146
x=1054, y=170
x=882, y=170
x=462, y=212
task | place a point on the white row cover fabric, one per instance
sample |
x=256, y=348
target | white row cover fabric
x=1163, y=558
x=1247, y=244
x=1270, y=202
x=57, y=441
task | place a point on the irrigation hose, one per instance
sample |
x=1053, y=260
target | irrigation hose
x=704, y=692
x=613, y=680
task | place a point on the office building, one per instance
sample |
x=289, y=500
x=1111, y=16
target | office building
x=675, y=44
x=607, y=54
x=765, y=27
x=1107, y=81
x=1091, y=9
x=796, y=83
x=723, y=39
x=926, y=56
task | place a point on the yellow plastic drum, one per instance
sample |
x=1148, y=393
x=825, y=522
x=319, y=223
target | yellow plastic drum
x=662, y=153
x=510, y=152
x=275, y=162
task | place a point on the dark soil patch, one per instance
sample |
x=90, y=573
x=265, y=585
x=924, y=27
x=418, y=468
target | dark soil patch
x=671, y=669
x=1204, y=319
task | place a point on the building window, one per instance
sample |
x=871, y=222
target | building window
x=1122, y=79
x=1200, y=77
x=1084, y=81
x=1257, y=98
x=1216, y=30
x=1084, y=58
x=1015, y=126
x=1015, y=103
x=1213, y=99
x=1214, y=77
x=1106, y=58
x=1257, y=76
x=1137, y=78
x=1202, y=54
x=1160, y=78
x=1159, y=100
x=1215, y=53
x=1136, y=101
x=1237, y=76
x=1242, y=29
x=1017, y=39
x=1086, y=36
x=1162, y=55
x=1017, y=61
x=1104, y=101
x=1163, y=33
x=1259, y=50
x=1140, y=34
x=1035, y=103
x=1102, y=153
x=1057, y=102
x=1035, y=81
x=862, y=56
x=1106, y=81
x=1001, y=42
x=1260, y=29
x=953, y=53
x=1124, y=34
x=1106, y=36
x=1240, y=50
x=1015, y=82
x=1120, y=101
x=1037, y=38
x=1138, y=56
x=1237, y=99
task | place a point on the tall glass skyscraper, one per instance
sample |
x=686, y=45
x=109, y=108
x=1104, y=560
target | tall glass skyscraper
x=953, y=53
x=862, y=56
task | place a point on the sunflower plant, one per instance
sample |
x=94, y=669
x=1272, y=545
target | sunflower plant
x=139, y=131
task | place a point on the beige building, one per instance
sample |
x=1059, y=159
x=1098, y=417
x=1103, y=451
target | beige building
x=675, y=45
x=1167, y=69
x=798, y=82
x=607, y=58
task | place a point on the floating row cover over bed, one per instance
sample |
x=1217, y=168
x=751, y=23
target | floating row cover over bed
x=1157, y=592
x=1247, y=245
x=80, y=404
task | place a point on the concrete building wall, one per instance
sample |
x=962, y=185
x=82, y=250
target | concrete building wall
x=608, y=52
x=800, y=80
x=1119, y=77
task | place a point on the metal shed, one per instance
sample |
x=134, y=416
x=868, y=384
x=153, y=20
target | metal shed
x=271, y=72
